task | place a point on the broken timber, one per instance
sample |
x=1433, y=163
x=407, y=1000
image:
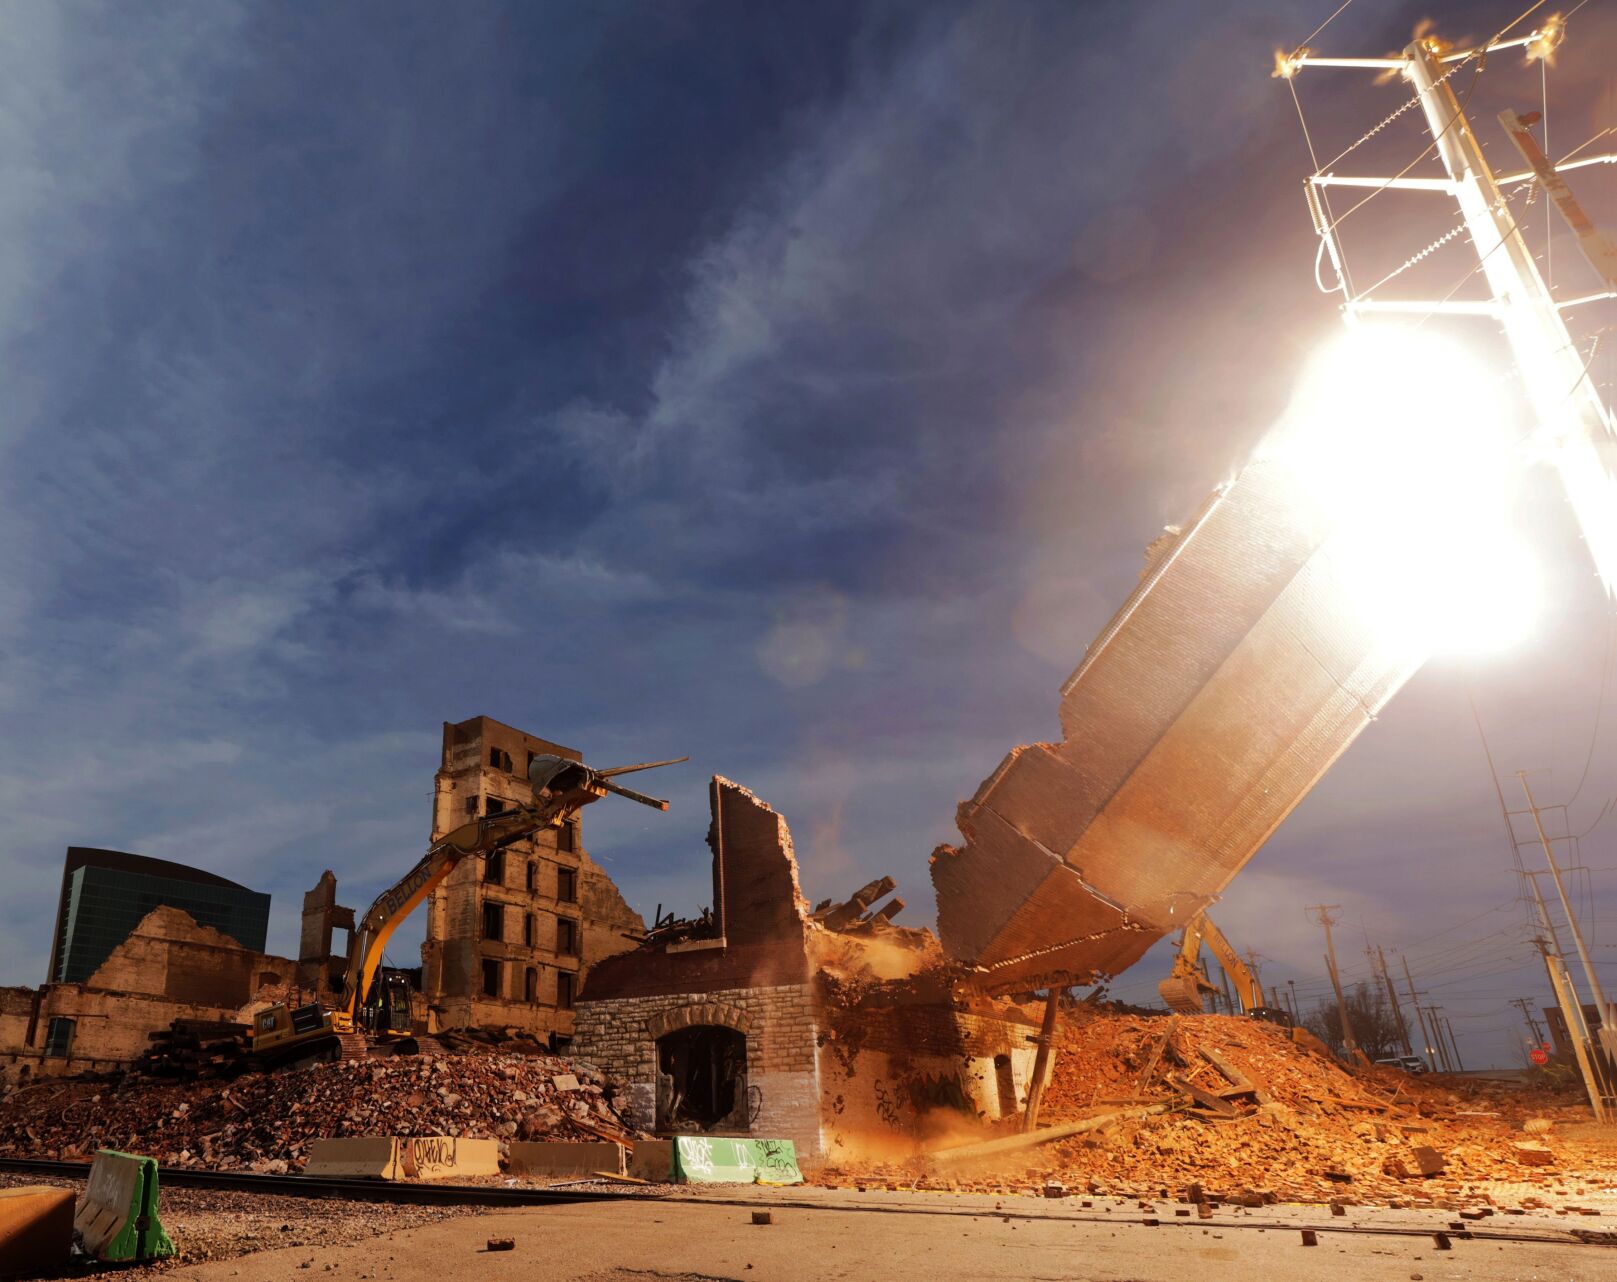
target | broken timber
x=1032, y=1139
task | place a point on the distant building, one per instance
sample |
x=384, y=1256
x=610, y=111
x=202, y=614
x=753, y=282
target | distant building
x=107, y=893
x=511, y=936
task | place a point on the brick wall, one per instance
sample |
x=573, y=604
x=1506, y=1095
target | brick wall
x=619, y=1036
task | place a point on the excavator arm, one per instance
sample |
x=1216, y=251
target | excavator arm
x=399, y=900
x=1186, y=986
x=561, y=788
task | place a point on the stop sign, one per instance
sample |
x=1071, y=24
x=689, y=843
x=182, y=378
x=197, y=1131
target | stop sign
x=1539, y=1055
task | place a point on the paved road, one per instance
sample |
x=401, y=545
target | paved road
x=930, y=1238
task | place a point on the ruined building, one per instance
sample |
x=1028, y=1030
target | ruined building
x=137, y=943
x=764, y=1017
x=168, y=967
x=510, y=937
x=106, y=893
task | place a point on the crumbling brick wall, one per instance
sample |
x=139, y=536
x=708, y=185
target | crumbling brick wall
x=891, y=1076
x=751, y=973
x=168, y=968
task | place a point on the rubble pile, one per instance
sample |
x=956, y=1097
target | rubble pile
x=1254, y=1116
x=266, y=1121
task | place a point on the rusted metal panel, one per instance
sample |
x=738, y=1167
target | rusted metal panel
x=1234, y=676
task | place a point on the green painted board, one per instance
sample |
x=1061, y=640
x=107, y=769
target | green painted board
x=699, y=1159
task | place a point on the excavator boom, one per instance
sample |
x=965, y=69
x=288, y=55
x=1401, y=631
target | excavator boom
x=561, y=788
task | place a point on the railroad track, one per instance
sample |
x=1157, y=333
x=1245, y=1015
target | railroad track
x=358, y=1190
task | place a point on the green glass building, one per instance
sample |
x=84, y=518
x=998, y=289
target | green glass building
x=106, y=893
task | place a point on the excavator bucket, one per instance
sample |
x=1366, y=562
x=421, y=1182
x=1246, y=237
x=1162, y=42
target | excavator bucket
x=1181, y=995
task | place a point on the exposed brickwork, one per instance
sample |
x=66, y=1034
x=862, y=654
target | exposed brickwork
x=169, y=968
x=557, y=911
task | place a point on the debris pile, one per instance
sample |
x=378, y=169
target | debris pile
x=266, y=1121
x=1213, y=1108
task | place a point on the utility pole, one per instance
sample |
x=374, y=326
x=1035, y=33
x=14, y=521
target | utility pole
x=1573, y=419
x=1437, y=1036
x=1291, y=985
x=1567, y=403
x=1448, y=1025
x=1420, y=1017
x=1323, y=917
x=1525, y=1005
x=1392, y=996
x=1566, y=907
x=1602, y=1099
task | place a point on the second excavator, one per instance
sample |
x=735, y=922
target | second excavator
x=1187, y=987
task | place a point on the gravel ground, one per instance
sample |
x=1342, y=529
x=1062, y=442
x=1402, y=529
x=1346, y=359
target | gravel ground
x=217, y=1224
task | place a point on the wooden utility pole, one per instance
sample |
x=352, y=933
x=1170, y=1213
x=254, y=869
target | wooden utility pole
x=1601, y=1099
x=1323, y=917
x=1420, y=1017
x=1291, y=986
x=1566, y=906
x=1392, y=996
x=1525, y=1005
x=1451, y=1052
x=1041, y=1061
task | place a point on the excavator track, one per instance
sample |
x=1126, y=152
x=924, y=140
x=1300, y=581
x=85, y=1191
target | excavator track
x=351, y=1046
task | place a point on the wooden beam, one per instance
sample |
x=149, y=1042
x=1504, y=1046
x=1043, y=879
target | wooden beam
x=1041, y=1061
x=1032, y=1139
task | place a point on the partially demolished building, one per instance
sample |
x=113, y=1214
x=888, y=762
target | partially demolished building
x=510, y=937
x=762, y=1017
x=169, y=967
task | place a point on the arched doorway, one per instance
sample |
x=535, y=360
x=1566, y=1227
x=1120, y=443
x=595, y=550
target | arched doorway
x=702, y=1079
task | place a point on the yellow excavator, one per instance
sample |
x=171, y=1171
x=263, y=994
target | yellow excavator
x=284, y=1036
x=1187, y=987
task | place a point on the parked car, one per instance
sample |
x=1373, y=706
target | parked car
x=1409, y=1063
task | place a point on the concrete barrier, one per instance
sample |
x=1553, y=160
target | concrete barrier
x=393, y=1157
x=443, y=1157
x=373, y=1157
x=652, y=1160
x=117, y=1216
x=563, y=1158
x=700, y=1159
x=36, y=1230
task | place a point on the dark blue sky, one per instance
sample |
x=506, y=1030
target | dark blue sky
x=794, y=386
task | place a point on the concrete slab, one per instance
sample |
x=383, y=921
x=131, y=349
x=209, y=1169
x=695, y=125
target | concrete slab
x=566, y=1157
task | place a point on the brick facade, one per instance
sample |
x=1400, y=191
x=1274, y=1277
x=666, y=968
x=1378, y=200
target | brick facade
x=511, y=937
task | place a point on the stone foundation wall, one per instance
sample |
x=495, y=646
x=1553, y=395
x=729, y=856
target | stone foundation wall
x=619, y=1036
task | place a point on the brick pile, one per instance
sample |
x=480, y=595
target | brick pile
x=1257, y=1117
x=266, y=1121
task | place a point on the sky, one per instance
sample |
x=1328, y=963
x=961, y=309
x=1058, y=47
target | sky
x=792, y=386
